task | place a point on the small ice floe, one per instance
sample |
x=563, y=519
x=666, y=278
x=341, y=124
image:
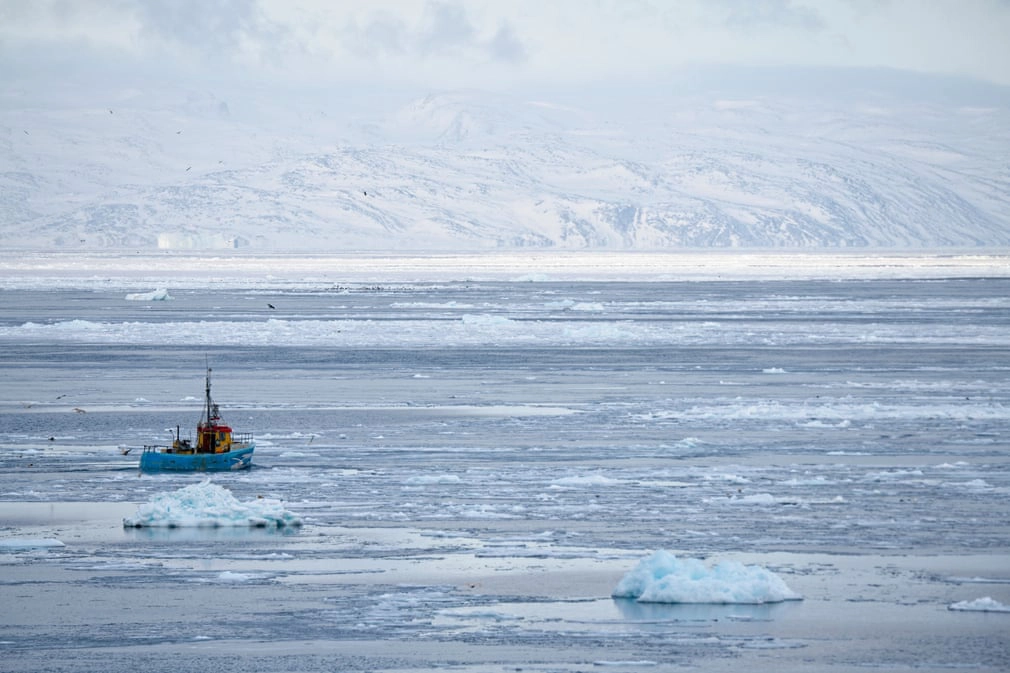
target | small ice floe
x=23, y=543
x=588, y=306
x=756, y=500
x=977, y=580
x=154, y=295
x=485, y=320
x=211, y=506
x=728, y=478
x=986, y=604
x=229, y=577
x=584, y=481
x=572, y=305
x=560, y=305
x=664, y=578
x=432, y=479
x=634, y=663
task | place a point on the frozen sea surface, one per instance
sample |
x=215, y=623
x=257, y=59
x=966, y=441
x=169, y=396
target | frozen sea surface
x=478, y=462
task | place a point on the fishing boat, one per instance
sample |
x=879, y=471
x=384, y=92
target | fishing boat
x=217, y=448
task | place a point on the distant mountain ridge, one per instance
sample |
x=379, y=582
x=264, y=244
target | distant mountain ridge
x=474, y=170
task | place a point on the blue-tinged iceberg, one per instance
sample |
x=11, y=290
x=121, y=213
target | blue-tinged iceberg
x=664, y=578
x=210, y=506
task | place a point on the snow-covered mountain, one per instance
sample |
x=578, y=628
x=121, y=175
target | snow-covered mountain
x=470, y=170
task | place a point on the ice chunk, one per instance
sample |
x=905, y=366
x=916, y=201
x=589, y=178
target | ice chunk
x=155, y=295
x=585, y=480
x=986, y=604
x=485, y=320
x=664, y=578
x=209, y=505
x=428, y=479
x=30, y=543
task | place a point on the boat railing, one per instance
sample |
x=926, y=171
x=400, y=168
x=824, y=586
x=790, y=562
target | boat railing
x=241, y=438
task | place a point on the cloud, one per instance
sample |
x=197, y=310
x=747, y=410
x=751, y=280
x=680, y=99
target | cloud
x=444, y=33
x=214, y=27
x=381, y=34
x=752, y=15
x=446, y=27
x=454, y=43
x=161, y=37
x=506, y=45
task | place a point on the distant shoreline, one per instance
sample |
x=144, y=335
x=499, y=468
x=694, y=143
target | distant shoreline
x=25, y=269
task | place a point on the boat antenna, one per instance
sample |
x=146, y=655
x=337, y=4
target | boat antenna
x=209, y=416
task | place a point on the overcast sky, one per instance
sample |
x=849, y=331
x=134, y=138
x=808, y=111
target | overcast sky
x=495, y=44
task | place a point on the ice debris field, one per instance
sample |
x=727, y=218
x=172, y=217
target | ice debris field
x=659, y=578
x=719, y=462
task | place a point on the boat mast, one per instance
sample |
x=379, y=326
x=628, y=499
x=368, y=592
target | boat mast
x=208, y=411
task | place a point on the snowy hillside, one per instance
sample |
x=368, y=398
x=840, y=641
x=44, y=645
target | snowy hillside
x=470, y=170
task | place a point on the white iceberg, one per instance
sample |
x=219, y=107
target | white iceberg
x=664, y=578
x=155, y=295
x=986, y=604
x=209, y=505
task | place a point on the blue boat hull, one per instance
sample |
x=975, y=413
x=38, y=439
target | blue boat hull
x=158, y=461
